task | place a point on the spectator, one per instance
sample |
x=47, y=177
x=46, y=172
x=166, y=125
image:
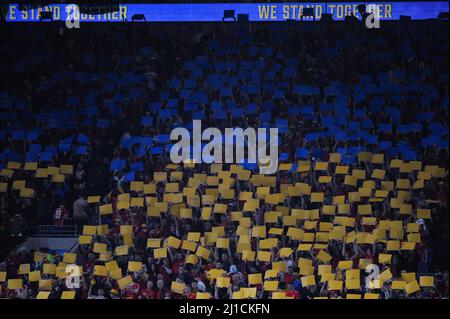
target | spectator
x=17, y=225
x=80, y=212
x=363, y=175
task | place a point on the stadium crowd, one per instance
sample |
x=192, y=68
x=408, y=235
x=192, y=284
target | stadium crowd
x=362, y=116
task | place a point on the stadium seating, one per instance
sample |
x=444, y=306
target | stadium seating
x=362, y=179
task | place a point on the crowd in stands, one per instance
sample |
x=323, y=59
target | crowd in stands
x=363, y=177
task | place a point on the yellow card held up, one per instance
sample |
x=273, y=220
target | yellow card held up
x=15, y=284
x=248, y=255
x=174, y=242
x=353, y=284
x=285, y=252
x=99, y=247
x=384, y=258
x=271, y=285
x=308, y=281
x=335, y=284
x=202, y=295
x=153, y=242
x=24, y=269
x=341, y=170
x=125, y=282
x=223, y=282
x=368, y=295
x=264, y=256
x=345, y=264
x=412, y=287
x=334, y=158
x=134, y=266
x=203, y=252
x=398, y=284
x=189, y=245
x=106, y=209
x=34, y=276
x=321, y=166
x=111, y=266
x=160, y=253
x=317, y=197
x=100, y=270
x=426, y=281
x=31, y=166
x=69, y=258
x=49, y=269
x=85, y=239
x=223, y=243
x=323, y=256
x=68, y=295
x=46, y=285
x=43, y=295
x=255, y=279
x=89, y=230
x=66, y=169
x=122, y=250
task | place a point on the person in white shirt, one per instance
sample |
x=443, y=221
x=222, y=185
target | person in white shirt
x=80, y=212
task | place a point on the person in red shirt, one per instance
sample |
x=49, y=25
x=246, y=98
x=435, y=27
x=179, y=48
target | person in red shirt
x=164, y=271
x=161, y=291
x=189, y=294
x=132, y=291
x=141, y=239
x=291, y=292
x=177, y=263
x=61, y=213
x=147, y=292
x=289, y=276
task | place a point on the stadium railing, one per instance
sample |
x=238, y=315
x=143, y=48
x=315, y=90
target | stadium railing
x=53, y=231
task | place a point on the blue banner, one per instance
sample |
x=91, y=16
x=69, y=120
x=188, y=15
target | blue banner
x=208, y=12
